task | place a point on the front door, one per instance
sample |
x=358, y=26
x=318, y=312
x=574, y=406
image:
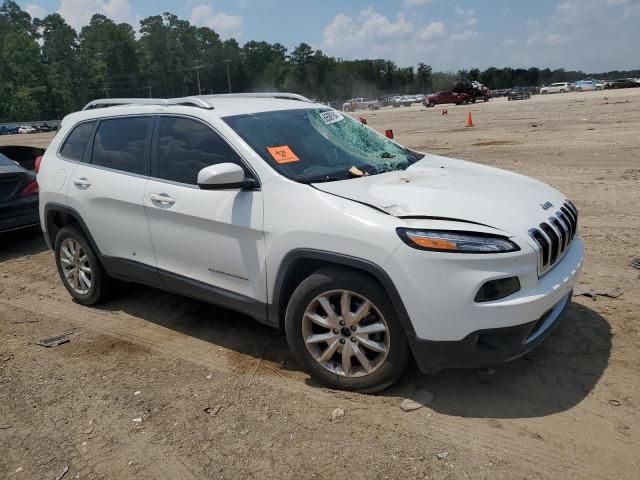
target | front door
x=209, y=239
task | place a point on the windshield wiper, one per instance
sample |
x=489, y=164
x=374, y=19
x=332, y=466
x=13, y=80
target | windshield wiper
x=323, y=179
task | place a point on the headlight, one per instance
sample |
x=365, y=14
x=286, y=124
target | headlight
x=456, y=242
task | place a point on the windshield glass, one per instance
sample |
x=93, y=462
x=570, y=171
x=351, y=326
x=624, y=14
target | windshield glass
x=315, y=145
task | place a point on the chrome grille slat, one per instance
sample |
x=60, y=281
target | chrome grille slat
x=554, y=237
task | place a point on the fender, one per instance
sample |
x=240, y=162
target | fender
x=276, y=312
x=51, y=208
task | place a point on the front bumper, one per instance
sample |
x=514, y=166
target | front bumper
x=19, y=213
x=448, y=328
x=488, y=348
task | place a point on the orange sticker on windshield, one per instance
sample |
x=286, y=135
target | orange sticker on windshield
x=283, y=154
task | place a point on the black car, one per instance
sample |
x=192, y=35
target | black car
x=519, y=93
x=623, y=83
x=18, y=196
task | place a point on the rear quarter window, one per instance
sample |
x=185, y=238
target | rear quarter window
x=76, y=143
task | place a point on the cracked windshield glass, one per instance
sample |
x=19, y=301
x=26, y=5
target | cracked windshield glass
x=320, y=145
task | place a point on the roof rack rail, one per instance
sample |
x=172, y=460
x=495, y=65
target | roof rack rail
x=278, y=95
x=112, y=102
x=196, y=101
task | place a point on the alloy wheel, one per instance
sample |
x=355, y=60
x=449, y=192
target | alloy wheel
x=345, y=333
x=75, y=266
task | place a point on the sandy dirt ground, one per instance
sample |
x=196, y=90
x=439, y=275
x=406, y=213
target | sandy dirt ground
x=155, y=386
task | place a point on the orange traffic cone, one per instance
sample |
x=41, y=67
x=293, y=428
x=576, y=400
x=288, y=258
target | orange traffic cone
x=469, y=120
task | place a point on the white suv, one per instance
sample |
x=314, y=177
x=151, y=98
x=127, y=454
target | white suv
x=561, y=87
x=365, y=252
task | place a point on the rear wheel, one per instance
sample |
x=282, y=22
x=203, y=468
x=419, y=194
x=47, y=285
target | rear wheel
x=79, y=267
x=598, y=89
x=341, y=325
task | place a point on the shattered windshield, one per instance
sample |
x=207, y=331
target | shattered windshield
x=316, y=145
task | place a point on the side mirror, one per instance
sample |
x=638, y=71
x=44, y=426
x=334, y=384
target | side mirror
x=224, y=176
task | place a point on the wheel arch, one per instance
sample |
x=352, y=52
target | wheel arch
x=300, y=263
x=59, y=216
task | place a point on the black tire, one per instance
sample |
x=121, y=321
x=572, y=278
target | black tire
x=562, y=91
x=101, y=283
x=371, y=107
x=431, y=105
x=335, y=278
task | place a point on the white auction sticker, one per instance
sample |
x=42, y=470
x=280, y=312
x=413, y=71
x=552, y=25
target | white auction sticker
x=331, y=116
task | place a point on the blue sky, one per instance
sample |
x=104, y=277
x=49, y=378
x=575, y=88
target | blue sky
x=590, y=35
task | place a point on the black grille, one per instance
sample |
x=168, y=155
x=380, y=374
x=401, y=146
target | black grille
x=554, y=237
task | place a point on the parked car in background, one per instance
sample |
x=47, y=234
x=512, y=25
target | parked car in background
x=360, y=104
x=18, y=196
x=623, y=83
x=46, y=127
x=500, y=93
x=474, y=89
x=407, y=100
x=519, y=93
x=8, y=129
x=448, y=262
x=560, y=87
x=27, y=129
x=588, y=84
x=443, y=98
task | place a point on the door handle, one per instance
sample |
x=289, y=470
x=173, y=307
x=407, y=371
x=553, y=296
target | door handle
x=82, y=182
x=162, y=199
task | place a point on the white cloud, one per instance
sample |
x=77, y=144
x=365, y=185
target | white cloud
x=226, y=25
x=77, y=13
x=36, y=11
x=464, y=36
x=433, y=30
x=416, y=3
x=468, y=16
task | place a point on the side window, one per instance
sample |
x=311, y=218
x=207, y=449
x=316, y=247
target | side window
x=121, y=144
x=186, y=146
x=76, y=142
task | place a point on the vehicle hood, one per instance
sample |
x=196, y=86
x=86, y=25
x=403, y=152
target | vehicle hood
x=443, y=188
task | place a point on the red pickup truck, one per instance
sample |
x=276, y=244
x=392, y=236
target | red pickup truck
x=441, y=98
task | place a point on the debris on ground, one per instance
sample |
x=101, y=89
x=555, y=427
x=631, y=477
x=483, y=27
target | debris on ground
x=63, y=473
x=137, y=420
x=213, y=410
x=442, y=455
x=337, y=414
x=635, y=263
x=5, y=427
x=580, y=290
x=615, y=403
x=8, y=357
x=419, y=400
x=53, y=341
x=136, y=393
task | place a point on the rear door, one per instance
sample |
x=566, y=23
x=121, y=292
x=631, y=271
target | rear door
x=107, y=189
x=209, y=239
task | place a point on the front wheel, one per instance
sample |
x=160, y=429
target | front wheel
x=562, y=91
x=342, y=327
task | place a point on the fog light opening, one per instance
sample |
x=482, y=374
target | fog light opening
x=497, y=289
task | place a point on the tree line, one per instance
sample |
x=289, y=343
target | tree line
x=47, y=69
